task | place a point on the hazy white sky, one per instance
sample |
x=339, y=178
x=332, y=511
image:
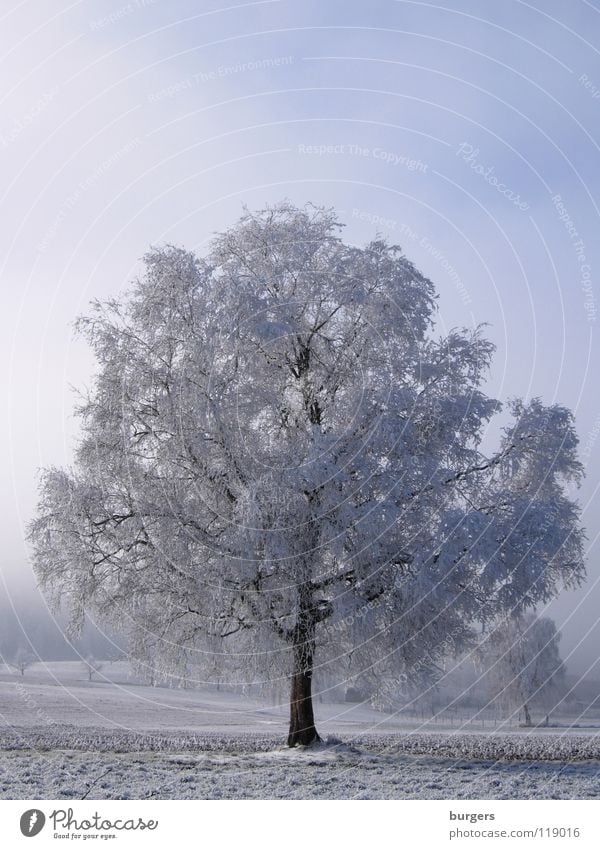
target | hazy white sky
x=465, y=131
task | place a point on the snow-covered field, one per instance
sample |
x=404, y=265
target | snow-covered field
x=323, y=774
x=64, y=737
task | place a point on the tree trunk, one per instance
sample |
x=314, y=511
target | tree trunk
x=302, y=720
x=527, y=715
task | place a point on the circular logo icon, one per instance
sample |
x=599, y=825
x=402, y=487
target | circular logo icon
x=32, y=822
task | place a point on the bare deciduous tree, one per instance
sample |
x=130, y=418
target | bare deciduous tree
x=91, y=665
x=525, y=668
x=22, y=660
x=279, y=455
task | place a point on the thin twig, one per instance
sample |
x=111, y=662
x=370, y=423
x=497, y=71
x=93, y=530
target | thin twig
x=93, y=784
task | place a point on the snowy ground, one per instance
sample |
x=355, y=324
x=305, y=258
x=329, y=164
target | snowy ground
x=64, y=774
x=66, y=738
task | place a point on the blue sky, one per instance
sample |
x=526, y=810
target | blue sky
x=449, y=127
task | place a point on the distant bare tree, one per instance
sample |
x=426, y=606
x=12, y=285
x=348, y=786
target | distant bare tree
x=91, y=665
x=22, y=660
x=526, y=667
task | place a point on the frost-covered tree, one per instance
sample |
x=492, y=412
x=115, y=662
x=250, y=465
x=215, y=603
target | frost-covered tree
x=279, y=455
x=525, y=664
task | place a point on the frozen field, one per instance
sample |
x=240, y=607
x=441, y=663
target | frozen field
x=326, y=774
x=64, y=737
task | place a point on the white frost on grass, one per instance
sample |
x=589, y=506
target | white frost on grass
x=62, y=737
x=298, y=775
